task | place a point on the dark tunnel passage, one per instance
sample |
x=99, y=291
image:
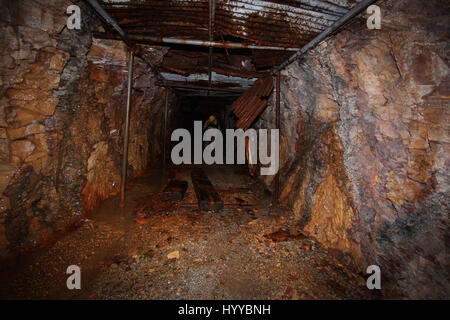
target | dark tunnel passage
x=201, y=109
x=210, y=112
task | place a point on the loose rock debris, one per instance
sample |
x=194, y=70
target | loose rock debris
x=183, y=253
x=174, y=255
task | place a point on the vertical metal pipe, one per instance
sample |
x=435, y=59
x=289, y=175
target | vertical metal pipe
x=164, y=143
x=212, y=9
x=127, y=124
x=278, y=125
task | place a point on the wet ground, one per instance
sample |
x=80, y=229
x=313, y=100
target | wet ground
x=249, y=250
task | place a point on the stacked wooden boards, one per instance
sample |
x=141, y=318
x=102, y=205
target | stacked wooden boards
x=252, y=102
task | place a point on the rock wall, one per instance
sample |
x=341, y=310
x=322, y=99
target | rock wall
x=365, y=145
x=63, y=98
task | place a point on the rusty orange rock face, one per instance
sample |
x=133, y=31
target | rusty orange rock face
x=61, y=131
x=367, y=115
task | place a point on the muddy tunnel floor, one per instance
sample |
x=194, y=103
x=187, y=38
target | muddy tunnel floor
x=248, y=250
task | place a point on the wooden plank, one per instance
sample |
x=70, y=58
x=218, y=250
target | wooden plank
x=207, y=196
x=174, y=190
x=232, y=198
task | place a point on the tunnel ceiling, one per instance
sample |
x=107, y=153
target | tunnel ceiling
x=277, y=23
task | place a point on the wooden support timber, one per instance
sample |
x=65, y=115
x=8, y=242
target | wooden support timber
x=207, y=196
x=174, y=190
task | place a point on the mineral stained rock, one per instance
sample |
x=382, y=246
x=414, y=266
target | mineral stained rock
x=63, y=98
x=364, y=146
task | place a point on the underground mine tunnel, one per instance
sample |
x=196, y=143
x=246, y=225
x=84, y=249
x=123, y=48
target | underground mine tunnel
x=350, y=99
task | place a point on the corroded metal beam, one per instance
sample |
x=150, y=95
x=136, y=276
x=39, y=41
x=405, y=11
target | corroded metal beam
x=123, y=36
x=202, y=43
x=189, y=86
x=97, y=7
x=357, y=9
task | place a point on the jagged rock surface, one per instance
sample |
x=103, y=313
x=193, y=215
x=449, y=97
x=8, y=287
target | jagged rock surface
x=63, y=98
x=364, y=146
